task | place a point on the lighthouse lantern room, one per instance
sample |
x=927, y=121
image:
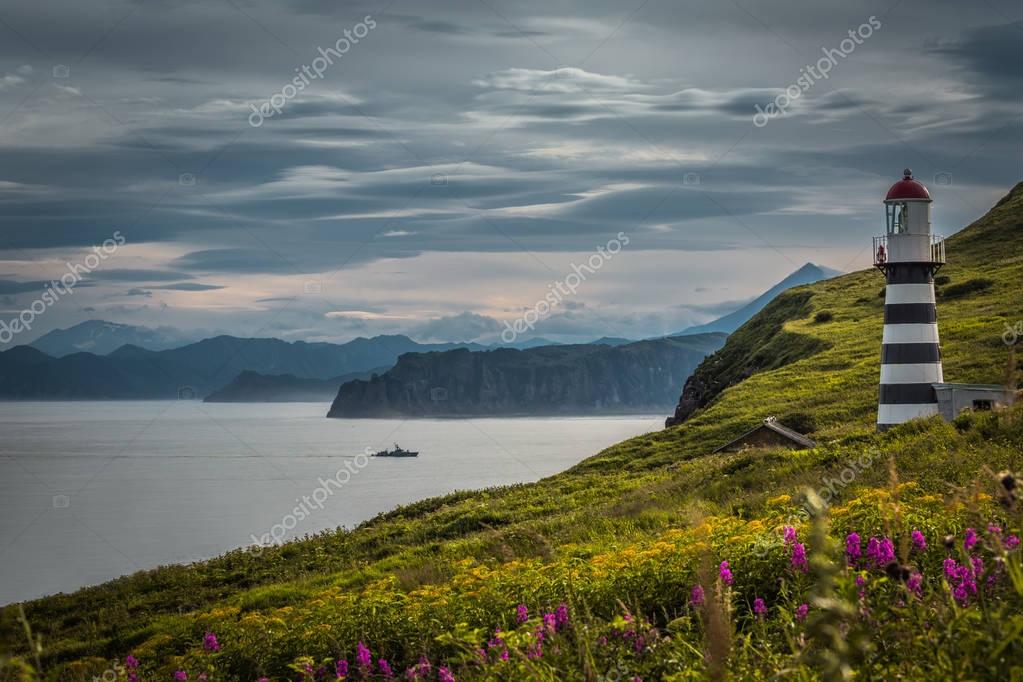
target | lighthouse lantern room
x=908, y=254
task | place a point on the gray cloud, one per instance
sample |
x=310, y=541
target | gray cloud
x=463, y=132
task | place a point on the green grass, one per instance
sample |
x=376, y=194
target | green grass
x=544, y=542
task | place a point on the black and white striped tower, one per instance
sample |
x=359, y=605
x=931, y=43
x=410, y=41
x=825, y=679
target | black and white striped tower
x=908, y=255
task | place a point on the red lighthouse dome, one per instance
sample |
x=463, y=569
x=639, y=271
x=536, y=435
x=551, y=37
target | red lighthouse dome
x=908, y=188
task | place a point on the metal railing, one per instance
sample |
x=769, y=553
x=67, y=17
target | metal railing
x=882, y=252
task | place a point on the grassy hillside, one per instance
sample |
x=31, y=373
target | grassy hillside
x=614, y=568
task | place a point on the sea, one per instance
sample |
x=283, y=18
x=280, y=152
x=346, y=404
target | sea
x=90, y=491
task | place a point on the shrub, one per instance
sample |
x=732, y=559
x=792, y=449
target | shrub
x=966, y=288
x=823, y=316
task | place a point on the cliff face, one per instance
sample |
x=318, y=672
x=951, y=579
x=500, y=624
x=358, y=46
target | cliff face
x=586, y=379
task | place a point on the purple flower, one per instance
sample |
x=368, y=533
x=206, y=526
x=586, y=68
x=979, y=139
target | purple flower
x=789, y=533
x=886, y=552
x=696, y=595
x=385, y=669
x=521, y=614
x=801, y=612
x=363, y=658
x=561, y=615
x=210, y=643
x=919, y=541
x=798, y=560
x=725, y=573
x=444, y=675
x=860, y=581
x=759, y=607
x=915, y=584
x=873, y=549
x=1012, y=542
x=969, y=539
x=180, y=675
x=341, y=669
x=994, y=529
x=420, y=671
x=950, y=567
x=130, y=662
x=852, y=547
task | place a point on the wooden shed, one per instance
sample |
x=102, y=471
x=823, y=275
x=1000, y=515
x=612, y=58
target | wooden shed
x=771, y=433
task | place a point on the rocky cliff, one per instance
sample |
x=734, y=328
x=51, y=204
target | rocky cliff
x=580, y=379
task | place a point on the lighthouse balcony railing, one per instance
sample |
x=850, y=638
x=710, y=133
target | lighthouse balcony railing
x=883, y=254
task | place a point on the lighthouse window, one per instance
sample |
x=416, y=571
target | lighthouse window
x=982, y=404
x=900, y=218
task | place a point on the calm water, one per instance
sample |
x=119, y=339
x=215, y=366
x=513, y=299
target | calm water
x=94, y=490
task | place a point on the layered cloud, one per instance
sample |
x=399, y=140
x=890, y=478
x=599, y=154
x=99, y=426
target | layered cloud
x=520, y=139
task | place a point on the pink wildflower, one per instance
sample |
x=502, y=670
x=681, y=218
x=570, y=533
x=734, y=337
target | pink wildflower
x=969, y=538
x=180, y=675
x=210, y=643
x=1011, y=542
x=798, y=560
x=950, y=567
x=759, y=607
x=873, y=550
x=915, y=584
x=696, y=595
x=725, y=573
x=801, y=612
x=363, y=657
x=444, y=675
x=130, y=662
x=852, y=547
x=521, y=614
x=919, y=541
x=789, y=533
x=420, y=671
x=886, y=552
x=385, y=669
x=341, y=669
x=561, y=616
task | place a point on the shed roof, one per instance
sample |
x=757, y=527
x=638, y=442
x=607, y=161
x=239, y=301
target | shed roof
x=774, y=425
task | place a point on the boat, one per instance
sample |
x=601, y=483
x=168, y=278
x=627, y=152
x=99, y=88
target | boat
x=398, y=451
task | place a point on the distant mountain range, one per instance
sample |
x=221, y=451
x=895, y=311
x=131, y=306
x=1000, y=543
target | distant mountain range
x=98, y=360
x=808, y=274
x=194, y=370
x=102, y=337
x=568, y=379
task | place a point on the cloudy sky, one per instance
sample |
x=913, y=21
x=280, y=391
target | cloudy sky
x=454, y=159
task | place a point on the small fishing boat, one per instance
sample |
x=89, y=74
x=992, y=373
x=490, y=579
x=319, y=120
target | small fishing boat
x=398, y=451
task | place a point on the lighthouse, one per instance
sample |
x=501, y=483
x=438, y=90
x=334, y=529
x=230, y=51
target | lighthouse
x=908, y=254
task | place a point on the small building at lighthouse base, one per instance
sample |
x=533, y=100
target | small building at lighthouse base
x=954, y=398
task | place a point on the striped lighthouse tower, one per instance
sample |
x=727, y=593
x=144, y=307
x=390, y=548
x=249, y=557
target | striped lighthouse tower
x=908, y=255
